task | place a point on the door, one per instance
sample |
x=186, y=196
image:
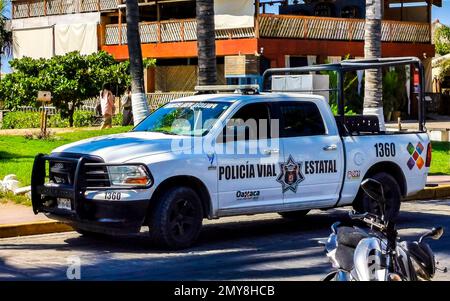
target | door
x=248, y=159
x=311, y=173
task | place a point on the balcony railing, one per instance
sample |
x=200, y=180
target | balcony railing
x=319, y=28
x=38, y=8
x=275, y=26
x=169, y=31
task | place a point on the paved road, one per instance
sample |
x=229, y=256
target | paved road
x=261, y=247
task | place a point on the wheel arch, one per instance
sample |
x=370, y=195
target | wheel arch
x=390, y=168
x=186, y=181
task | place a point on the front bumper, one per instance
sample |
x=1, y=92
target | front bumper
x=86, y=212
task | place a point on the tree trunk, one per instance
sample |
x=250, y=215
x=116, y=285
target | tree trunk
x=206, y=43
x=373, y=84
x=138, y=98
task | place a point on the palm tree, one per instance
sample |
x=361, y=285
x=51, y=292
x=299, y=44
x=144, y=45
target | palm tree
x=5, y=33
x=373, y=94
x=138, y=98
x=206, y=43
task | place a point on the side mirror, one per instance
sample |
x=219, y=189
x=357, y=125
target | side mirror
x=374, y=190
x=435, y=233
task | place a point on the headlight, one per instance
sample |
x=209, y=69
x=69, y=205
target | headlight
x=129, y=175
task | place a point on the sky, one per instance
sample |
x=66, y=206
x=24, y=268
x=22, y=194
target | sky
x=441, y=13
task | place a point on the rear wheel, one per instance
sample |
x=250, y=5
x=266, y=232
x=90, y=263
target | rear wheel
x=294, y=214
x=177, y=219
x=392, y=195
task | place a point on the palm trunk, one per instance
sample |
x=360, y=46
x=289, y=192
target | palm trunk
x=206, y=43
x=138, y=98
x=373, y=84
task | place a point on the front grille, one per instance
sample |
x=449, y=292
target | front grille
x=95, y=176
x=61, y=172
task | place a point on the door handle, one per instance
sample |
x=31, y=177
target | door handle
x=331, y=147
x=271, y=151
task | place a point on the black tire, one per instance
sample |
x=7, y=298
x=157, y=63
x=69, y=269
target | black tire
x=294, y=214
x=392, y=194
x=176, y=220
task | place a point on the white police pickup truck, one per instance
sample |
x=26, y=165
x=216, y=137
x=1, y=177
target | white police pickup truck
x=216, y=155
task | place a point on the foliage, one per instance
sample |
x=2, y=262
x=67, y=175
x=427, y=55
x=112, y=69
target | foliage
x=21, y=120
x=352, y=99
x=148, y=63
x=394, y=90
x=83, y=118
x=5, y=35
x=117, y=119
x=347, y=110
x=442, y=39
x=444, y=69
x=17, y=153
x=71, y=78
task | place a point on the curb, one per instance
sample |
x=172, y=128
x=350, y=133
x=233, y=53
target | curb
x=429, y=193
x=35, y=228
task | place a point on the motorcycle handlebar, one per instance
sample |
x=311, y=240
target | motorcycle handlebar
x=370, y=219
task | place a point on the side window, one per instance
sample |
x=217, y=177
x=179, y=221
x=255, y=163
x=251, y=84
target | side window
x=251, y=122
x=301, y=119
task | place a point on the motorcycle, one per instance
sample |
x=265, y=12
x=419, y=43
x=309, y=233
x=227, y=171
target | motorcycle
x=376, y=253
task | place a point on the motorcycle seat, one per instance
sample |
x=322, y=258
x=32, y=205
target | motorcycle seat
x=350, y=236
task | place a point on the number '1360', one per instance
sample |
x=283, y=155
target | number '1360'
x=385, y=149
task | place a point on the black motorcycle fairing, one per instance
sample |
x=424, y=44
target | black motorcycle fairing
x=423, y=255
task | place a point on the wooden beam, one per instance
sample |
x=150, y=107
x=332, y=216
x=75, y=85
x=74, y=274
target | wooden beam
x=158, y=12
x=120, y=26
x=256, y=17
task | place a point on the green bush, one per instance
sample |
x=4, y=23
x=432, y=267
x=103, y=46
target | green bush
x=56, y=121
x=83, y=118
x=21, y=120
x=29, y=120
x=117, y=119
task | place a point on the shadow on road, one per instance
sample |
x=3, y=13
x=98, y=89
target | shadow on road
x=263, y=247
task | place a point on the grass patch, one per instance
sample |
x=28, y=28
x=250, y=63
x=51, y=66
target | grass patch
x=17, y=153
x=6, y=197
x=440, y=163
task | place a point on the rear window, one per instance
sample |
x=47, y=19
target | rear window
x=301, y=119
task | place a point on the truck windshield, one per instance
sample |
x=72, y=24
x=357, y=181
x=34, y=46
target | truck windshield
x=183, y=118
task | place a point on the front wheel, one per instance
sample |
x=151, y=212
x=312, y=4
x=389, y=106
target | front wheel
x=392, y=196
x=177, y=219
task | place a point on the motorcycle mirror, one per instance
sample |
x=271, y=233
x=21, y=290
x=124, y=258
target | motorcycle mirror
x=435, y=233
x=373, y=189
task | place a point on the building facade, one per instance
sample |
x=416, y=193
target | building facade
x=302, y=33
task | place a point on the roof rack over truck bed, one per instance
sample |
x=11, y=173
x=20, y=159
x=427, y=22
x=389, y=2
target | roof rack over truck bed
x=355, y=65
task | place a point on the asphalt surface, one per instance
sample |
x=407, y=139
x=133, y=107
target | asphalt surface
x=260, y=247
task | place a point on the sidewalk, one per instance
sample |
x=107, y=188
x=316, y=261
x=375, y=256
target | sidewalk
x=440, y=180
x=16, y=214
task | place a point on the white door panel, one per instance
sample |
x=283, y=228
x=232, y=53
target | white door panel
x=319, y=159
x=249, y=179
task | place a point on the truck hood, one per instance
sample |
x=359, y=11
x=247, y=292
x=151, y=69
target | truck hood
x=120, y=148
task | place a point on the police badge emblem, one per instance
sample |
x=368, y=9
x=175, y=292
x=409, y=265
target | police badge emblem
x=290, y=175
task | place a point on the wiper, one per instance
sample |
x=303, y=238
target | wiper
x=165, y=132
